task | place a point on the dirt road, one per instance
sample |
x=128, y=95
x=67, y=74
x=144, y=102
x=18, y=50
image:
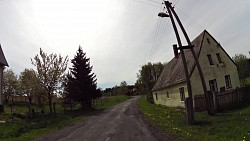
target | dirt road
x=122, y=122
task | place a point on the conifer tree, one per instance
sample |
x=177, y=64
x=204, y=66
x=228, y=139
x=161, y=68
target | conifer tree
x=81, y=84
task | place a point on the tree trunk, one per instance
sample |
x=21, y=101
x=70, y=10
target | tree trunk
x=30, y=99
x=50, y=102
x=29, y=106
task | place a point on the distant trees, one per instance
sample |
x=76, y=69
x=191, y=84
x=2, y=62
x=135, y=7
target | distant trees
x=50, y=69
x=243, y=65
x=30, y=84
x=147, y=77
x=81, y=86
x=10, y=84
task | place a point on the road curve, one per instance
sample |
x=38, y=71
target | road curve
x=122, y=122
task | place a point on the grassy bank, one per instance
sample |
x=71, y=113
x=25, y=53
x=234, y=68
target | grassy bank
x=18, y=129
x=229, y=126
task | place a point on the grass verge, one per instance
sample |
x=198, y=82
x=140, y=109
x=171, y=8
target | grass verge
x=229, y=126
x=16, y=129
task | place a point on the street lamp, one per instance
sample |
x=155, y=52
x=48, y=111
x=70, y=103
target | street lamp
x=162, y=15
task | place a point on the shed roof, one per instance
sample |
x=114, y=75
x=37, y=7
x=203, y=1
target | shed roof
x=173, y=72
x=3, y=61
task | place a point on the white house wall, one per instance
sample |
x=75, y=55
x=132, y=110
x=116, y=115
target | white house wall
x=174, y=99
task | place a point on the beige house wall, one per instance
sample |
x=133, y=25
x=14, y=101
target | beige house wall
x=174, y=99
x=217, y=71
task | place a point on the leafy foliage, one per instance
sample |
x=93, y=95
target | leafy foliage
x=147, y=77
x=10, y=84
x=31, y=84
x=243, y=65
x=149, y=74
x=50, y=68
x=81, y=86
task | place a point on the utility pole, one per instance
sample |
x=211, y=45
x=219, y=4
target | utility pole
x=189, y=100
x=189, y=108
x=210, y=105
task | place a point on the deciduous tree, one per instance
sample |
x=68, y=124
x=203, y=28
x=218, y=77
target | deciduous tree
x=243, y=66
x=50, y=69
x=30, y=84
x=147, y=77
x=10, y=84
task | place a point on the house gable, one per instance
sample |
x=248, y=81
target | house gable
x=221, y=66
x=173, y=72
x=3, y=61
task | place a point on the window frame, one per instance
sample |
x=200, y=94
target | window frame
x=213, y=85
x=228, y=81
x=219, y=58
x=210, y=59
x=168, y=95
x=156, y=96
x=182, y=94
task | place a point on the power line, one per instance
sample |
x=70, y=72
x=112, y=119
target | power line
x=155, y=36
x=154, y=1
x=147, y=3
x=165, y=30
x=176, y=1
x=192, y=22
x=157, y=31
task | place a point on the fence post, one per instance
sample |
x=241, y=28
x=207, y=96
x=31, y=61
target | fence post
x=214, y=101
x=211, y=103
x=189, y=110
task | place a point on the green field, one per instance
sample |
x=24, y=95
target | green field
x=18, y=129
x=229, y=126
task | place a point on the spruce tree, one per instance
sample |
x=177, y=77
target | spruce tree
x=81, y=85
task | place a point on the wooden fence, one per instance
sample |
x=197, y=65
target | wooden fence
x=224, y=100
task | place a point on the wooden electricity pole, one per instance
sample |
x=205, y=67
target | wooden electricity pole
x=209, y=101
x=189, y=100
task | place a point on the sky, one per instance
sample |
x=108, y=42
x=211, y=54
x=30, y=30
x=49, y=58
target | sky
x=119, y=37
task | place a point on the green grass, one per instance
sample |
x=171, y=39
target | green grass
x=111, y=101
x=247, y=81
x=22, y=130
x=229, y=126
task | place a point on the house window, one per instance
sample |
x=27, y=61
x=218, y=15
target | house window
x=182, y=94
x=208, y=40
x=218, y=57
x=228, y=81
x=156, y=96
x=213, y=85
x=167, y=95
x=210, y=59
